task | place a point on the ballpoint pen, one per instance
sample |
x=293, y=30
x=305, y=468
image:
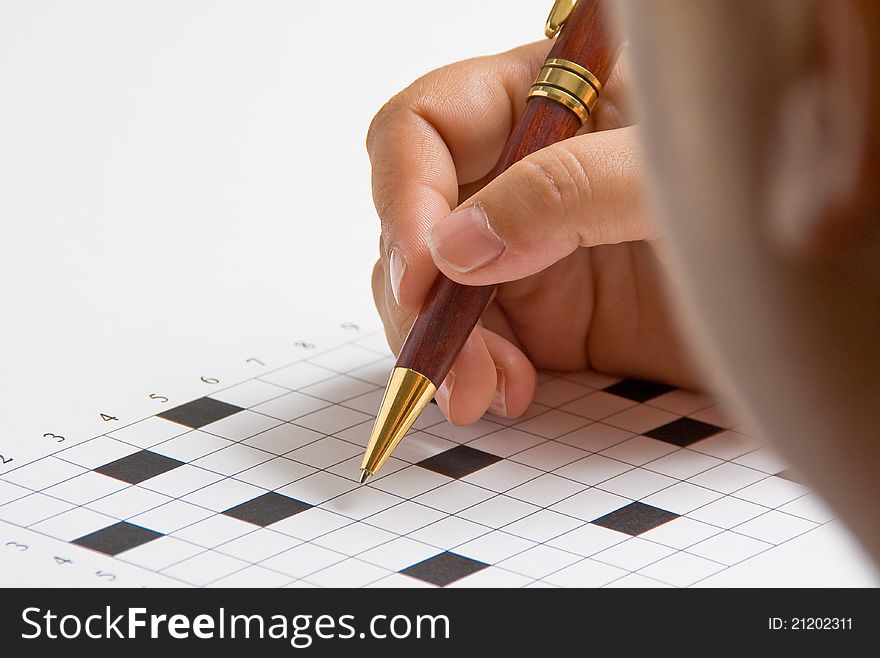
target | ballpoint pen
x=559, y=103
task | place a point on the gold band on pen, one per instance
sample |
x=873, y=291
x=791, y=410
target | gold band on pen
x=570, y=84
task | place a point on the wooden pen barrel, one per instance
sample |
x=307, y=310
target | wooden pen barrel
x=451, y=310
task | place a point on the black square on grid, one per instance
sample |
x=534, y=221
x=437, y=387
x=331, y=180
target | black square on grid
x=139, y=467
x=459, y=461
x=445, y=568
x=200, y=412
x=267, y=509
x=635, y=518
x=638, y=390
x=117, y=538
x=684, y=431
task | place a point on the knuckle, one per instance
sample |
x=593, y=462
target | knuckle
x=560, y=180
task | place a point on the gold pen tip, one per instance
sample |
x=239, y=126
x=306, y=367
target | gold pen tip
x=365, y=475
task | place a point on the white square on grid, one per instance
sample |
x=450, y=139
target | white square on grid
x=350, y=469
x=258, y=545
x=284, y=438
x=324, y=453
x=491, y=578
x=590, y=504
x=633, y=554
x=233, y=459
x=545, y=490
x=73, y=524
x=637, y=483
x=405, y=517
x=449, y=532
x=592, y=378
x=32, y=509
x=171, y=516
x=586, y=573
x=360, y=434
x=214, y=531
x=254, y=576
x=128, y=502
x=454, y=497
x=726, y=445
x=552, y=424
x=376, y=373
x=498, y=511
x=683, y=464
x=10, y=492
x=224, y=495
x=810, y=507
x=598, y=405
x=160, y=553
x=595, y=437
x=549, y=456
x=350, y=573
x=190, y=446
x=181, y=481
x=354, y=538
x=729, y=548
x=640, y=419
x=506, y=442
x=639, y=450
x=727, y=512
x=204, y=568
x=542, y=526
x=775, y=527
x=311, y=523
x=463, y=433
x=588, y=540
x=401, y=581
x=85, y=488
x=291, y=406
x=593, y=469
x=772, y=492
x=318, y=488
x=399, y=554
x=346, y=357
x=43, y=473
x=681, y=402
x=332, y=419
x=636, y=581
x=411, y=482
x=375, y=341
x=240, y=426
x=431, y=415
x=557, y=392
x=298, y=375
x=502, y=475
x=764, y=459
x=417, y=446
x=682, y=498
x=716, y=415
x=494, y=547
x=97, y=452
x=727, y=478
x=249, y=393
x=275, y=473
x=539, y=561
x=303, y=560
x=680, y=533
x=149, y=432
x=682, y=569
x=367, y=403
x=534, y=409
x=338, y=389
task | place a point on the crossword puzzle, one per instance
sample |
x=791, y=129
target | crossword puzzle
x=604, y=482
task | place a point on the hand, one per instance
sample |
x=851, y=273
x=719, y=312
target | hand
x=565, y=232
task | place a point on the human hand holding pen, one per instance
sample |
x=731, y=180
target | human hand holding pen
x=566, y=232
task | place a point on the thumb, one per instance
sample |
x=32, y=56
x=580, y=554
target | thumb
x=581, y=192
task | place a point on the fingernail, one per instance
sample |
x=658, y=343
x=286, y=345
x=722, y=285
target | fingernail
x=465, y=241
x=398, y=267
x=499, y=404
x=443, y=393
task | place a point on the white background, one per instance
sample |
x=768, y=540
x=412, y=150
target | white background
x=181, y=180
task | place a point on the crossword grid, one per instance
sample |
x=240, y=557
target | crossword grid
x=602, y=483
